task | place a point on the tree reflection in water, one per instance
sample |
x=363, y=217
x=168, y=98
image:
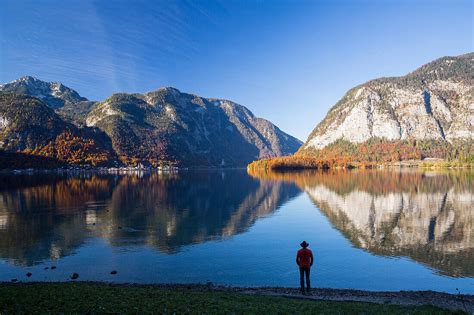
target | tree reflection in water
x=427, y=216
x=48, y=217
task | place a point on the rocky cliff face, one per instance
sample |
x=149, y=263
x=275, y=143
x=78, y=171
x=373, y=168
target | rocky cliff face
x=29, y=126
x=164, y=126
x=52, y=93
x=435, y=102
x=26, y=122
x=171, y=125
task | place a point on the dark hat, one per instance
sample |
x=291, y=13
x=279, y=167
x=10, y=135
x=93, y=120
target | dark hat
x=304, y=244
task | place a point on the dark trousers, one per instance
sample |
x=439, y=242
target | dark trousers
x=303, y=272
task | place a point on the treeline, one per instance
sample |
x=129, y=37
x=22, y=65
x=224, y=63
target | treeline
x=382, y=150
x=68, y=148
x=297, y=162
x=17, y=160
x=371, y=153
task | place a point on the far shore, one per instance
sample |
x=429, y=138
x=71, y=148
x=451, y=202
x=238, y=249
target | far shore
x=255, y=166
x=80, y=292
x=113, y=170
x=297, y=164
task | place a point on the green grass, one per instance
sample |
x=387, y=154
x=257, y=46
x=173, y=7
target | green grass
x=104, y=298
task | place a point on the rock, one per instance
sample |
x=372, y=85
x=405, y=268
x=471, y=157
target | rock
x=14, y=280
x=431, y=103
x=52, y=93
x=74, y=276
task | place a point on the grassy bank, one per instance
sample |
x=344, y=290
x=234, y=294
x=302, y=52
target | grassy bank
x=100, y=298
x=302, y=163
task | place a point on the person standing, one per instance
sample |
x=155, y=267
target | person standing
x=304, y=260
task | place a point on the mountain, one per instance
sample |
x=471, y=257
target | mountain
x=28, y=125
x=160, y=127
x=169, y=125
x=435, y=103
x=65, y=101
x=54, y=94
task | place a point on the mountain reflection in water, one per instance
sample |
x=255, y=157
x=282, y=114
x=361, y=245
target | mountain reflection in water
x=48, y=217
x=427, y=216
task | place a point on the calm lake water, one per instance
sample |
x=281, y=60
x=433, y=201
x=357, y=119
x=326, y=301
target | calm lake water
x=375, y=230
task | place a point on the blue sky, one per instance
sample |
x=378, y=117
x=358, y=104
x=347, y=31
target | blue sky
x=287, y=61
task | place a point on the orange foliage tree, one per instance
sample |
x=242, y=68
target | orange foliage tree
x=73, y=149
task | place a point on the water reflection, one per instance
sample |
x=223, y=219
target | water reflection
x=44, y=216
x=173, y=211
x=48, y=217
x=427, y=216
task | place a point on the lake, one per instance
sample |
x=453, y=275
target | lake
x=368, y=229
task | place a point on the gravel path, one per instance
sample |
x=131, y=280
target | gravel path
x=443, y=300
x=463, y=302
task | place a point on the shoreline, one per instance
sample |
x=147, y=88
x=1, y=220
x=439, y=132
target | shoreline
x=448, y=301
x=119, y=171
x=409, y=164
x=421, y=165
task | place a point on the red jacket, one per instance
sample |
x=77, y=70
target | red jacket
x=304, y=258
